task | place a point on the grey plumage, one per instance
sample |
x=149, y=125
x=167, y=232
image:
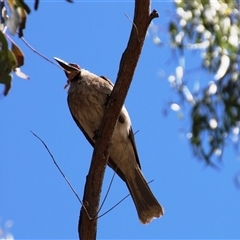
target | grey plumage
x=87, y=97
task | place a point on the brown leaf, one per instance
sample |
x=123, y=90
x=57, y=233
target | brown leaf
x=22, y=24
x=18, y=55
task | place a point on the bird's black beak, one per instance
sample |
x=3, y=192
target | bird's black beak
x=67, y=66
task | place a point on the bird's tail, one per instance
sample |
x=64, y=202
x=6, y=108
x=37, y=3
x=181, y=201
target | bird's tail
x=146, y=204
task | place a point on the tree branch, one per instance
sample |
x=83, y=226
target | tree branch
x=142, y=17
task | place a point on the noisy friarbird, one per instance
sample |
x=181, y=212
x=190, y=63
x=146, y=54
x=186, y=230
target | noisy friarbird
x=87, y=96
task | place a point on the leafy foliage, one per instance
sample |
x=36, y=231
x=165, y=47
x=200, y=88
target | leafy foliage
x=17, y=20
x=11, y=59
x=212, y=27
x=13, y=18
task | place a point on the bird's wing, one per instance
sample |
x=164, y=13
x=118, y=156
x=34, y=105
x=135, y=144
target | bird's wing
x=131, y=135
x=111, y=163
x=109, y=81
x=132, y=140
x=82, y=129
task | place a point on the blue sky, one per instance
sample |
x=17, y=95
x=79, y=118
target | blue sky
x=199, y=202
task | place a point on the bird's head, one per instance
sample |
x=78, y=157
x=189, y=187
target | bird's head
x=71, y=70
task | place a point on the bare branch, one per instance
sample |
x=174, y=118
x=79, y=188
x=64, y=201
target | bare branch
x=142, y=18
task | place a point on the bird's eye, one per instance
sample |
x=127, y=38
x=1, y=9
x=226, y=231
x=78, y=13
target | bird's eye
x=76, y=66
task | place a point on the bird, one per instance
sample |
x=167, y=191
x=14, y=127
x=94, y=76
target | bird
x=87, y=96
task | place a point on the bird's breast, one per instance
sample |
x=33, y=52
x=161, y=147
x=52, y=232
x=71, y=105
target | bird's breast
x=86, y=103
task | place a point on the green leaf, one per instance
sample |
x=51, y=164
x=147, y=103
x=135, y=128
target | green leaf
x=12, y=61
x=4, y=43
x=6, y=79
x=3, y=62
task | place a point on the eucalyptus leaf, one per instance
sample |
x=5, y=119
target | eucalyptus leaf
x=20, y=74
x=13, y=21
x=6, y=79
x=18, y=55
x=4, y=43
x=12, y=61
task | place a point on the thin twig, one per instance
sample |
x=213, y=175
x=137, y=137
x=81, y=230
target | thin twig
x=33, y=49
x=41, y=55
x=132, y=23
x=108, y=190
x=109, y=187
x=59, y=169
x=110, y=209
x=4, y=30
x=69, y=184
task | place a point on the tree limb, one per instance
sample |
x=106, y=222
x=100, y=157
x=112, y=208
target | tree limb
x=87, y=228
